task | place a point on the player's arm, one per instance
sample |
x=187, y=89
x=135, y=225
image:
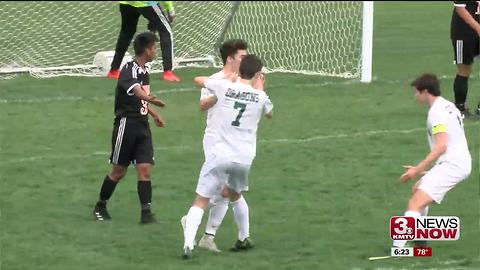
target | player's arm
x=439, y=148
x=465, y=15
x=207, y=102
x=440, y=138
x=141, y=94
x=159, y=122
x=207, y=99
x=268, y=108
x=200, y=80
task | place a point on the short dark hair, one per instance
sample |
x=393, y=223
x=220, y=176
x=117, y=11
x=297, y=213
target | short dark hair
x=428, y=82
x=250, y=65
x=143, y=41
x=230, y=48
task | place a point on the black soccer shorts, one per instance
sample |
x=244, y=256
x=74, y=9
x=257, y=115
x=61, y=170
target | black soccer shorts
x=131, y=142
x=465, y=50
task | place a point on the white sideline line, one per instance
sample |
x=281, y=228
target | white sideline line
x=185, y=147
x=341, y=135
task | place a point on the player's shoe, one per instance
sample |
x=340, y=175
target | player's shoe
x=100, y=213
x=420, y=243
x=207, y=243
x=246, y=244
x=113, y=73
x=170, y=76
x=187, y=253
x=147, y=217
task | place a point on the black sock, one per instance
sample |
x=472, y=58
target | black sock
x=145, y=194
x=460, y=88
x=106, y=191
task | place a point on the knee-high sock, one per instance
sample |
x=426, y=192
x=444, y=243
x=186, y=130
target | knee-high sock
x=216, y=215
x=241, y=213
x=194, y=218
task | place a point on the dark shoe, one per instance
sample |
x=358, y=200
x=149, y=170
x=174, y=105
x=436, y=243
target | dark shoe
x=100, y=213
x=242, y=245
x=147, y=217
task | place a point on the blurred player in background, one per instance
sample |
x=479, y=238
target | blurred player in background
x=465, y=33
x=448, y=149
x=160, y=16
x=131, y=136
x=240, y=107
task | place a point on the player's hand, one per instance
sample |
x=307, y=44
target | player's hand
x=158, y=102
x=159, y=122
x=411, y=173
x=171, y=17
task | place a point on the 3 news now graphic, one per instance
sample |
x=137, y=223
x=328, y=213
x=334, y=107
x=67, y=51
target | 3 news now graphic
x=425, y=228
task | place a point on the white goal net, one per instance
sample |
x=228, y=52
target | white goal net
x=61, y=38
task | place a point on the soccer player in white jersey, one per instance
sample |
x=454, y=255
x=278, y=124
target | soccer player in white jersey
x=232, y=52
x=240, y=107
x=448, y=149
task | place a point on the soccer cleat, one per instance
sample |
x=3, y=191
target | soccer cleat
x=113, y=73
x=187, y=253
x=207, y=243
x=420, y=243
x=100, y=213
x=147, y=217
x=170, y=76
x=246, y=244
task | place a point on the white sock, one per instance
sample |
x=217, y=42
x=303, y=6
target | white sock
x=402, y=243
x=216, y=215
x=240, y=211
x=424, y=211
x=194, y=218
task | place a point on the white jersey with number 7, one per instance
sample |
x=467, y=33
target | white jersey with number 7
x=239, y=109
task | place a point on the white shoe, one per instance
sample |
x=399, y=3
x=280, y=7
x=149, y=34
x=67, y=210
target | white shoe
x=183, y=221
x=207, y=243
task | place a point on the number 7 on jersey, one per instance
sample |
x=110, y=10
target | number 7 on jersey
x=242, y=107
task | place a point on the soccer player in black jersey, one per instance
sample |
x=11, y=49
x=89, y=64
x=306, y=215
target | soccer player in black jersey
x=131, y=137
x=465, y=32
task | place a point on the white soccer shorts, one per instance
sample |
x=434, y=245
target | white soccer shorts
x=214, y=175
x=443, y=177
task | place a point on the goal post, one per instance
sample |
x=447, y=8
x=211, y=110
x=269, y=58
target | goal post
x=329, y=38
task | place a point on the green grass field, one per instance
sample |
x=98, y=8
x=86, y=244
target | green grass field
x=323, y=185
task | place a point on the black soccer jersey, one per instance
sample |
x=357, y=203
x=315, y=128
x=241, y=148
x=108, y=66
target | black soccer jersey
x=126, y=103
x=459, y=29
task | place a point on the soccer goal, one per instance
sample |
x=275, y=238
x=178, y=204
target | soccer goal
x=328, y=38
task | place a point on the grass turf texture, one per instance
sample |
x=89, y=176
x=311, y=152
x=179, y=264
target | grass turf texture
x=321, y=203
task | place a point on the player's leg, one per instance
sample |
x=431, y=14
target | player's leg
x=464, y=54
x=237, y=183
x=129, y=17
x=209, y=184
x=218, y=207
x=433, y=187
x=191, y=221
x=121, y=143
x=143, y=160
x=424, y=211
x=158, y=22
x=110, y=181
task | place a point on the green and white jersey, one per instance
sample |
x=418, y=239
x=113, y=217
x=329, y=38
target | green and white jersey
x=443, y=116
x=238, y=111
